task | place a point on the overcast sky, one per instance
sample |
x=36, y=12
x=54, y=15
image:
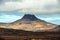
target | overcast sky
x=30, y=6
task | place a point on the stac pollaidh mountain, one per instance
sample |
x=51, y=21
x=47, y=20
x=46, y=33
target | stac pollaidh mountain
x=30, y=22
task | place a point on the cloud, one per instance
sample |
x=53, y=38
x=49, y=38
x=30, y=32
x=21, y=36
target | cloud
x=9, y=0
x=30, y=6
x=4, y=1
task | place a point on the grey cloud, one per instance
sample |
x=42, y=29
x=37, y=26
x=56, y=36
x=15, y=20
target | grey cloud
x=9, y=0
x=58, y=0
x=16, y=8
x=3, y=1
x=15, y=0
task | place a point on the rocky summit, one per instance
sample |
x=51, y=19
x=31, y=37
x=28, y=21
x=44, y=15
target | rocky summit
x=29, y=17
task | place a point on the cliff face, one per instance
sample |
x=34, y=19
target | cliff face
x=30, y=23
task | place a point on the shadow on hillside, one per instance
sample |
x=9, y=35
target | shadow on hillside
x=1, y=38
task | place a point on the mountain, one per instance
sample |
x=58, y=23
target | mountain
x=28, y=17
x=30, y=22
